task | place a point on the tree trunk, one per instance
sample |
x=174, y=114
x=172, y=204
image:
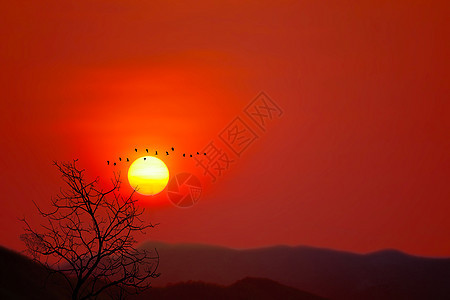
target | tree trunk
x=75, y=293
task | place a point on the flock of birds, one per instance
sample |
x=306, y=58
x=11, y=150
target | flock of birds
x=156, y=153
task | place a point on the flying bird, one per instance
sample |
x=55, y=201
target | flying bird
x=127, y=159
x=146, y=150
x=145, y=158
x=173, y=148
x=135, y=149
x=156, y=152
x=204, y=153
x=184, y=154
x=167, y=153
x=114, y=163
x=107, y=162
x=191, y=155
x=198, y=153
x=120, y=159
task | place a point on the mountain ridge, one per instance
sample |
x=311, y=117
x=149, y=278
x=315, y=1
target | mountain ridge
x=23, y=278
x=385, y=274
x=320, y=271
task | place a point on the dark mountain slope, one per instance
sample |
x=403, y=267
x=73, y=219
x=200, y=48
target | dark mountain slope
x=247, y=288
x=332, y=274
x=22, y=278
x=289, y=271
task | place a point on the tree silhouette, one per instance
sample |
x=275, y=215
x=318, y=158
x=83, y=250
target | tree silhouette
x=88, y=238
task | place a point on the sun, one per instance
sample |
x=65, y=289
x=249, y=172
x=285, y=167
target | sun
x=148, y=175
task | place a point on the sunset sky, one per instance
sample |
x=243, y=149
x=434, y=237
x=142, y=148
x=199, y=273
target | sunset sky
x=357, y=159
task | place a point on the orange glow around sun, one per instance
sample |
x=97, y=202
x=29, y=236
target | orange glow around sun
x=148, y=175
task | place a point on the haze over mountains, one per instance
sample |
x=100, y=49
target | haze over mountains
x=388, y=274
x=247, y=288
x=22, y=278
x=197, y=271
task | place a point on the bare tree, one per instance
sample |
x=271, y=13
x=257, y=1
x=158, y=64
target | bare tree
x=89, y=238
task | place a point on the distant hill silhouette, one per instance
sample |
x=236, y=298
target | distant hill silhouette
x=22, y=278
x=388, y=274
x=287, y=271
x=247, y=288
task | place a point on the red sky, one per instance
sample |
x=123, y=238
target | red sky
x=359, y=160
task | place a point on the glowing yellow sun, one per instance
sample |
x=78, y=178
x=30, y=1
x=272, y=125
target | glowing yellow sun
x=148, y=175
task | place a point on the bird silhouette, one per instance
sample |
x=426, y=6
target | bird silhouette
x=204, y=153
x=156, y=152
x=145, y=158
x=167, y=153
x=114, y=163
x=120, y=159
x=107, y=162
x=135, y=149
x=173, y=148
x=146, y=150
x=191, y=155
x=198, y=153
x=184, y=154
x=127, y=159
